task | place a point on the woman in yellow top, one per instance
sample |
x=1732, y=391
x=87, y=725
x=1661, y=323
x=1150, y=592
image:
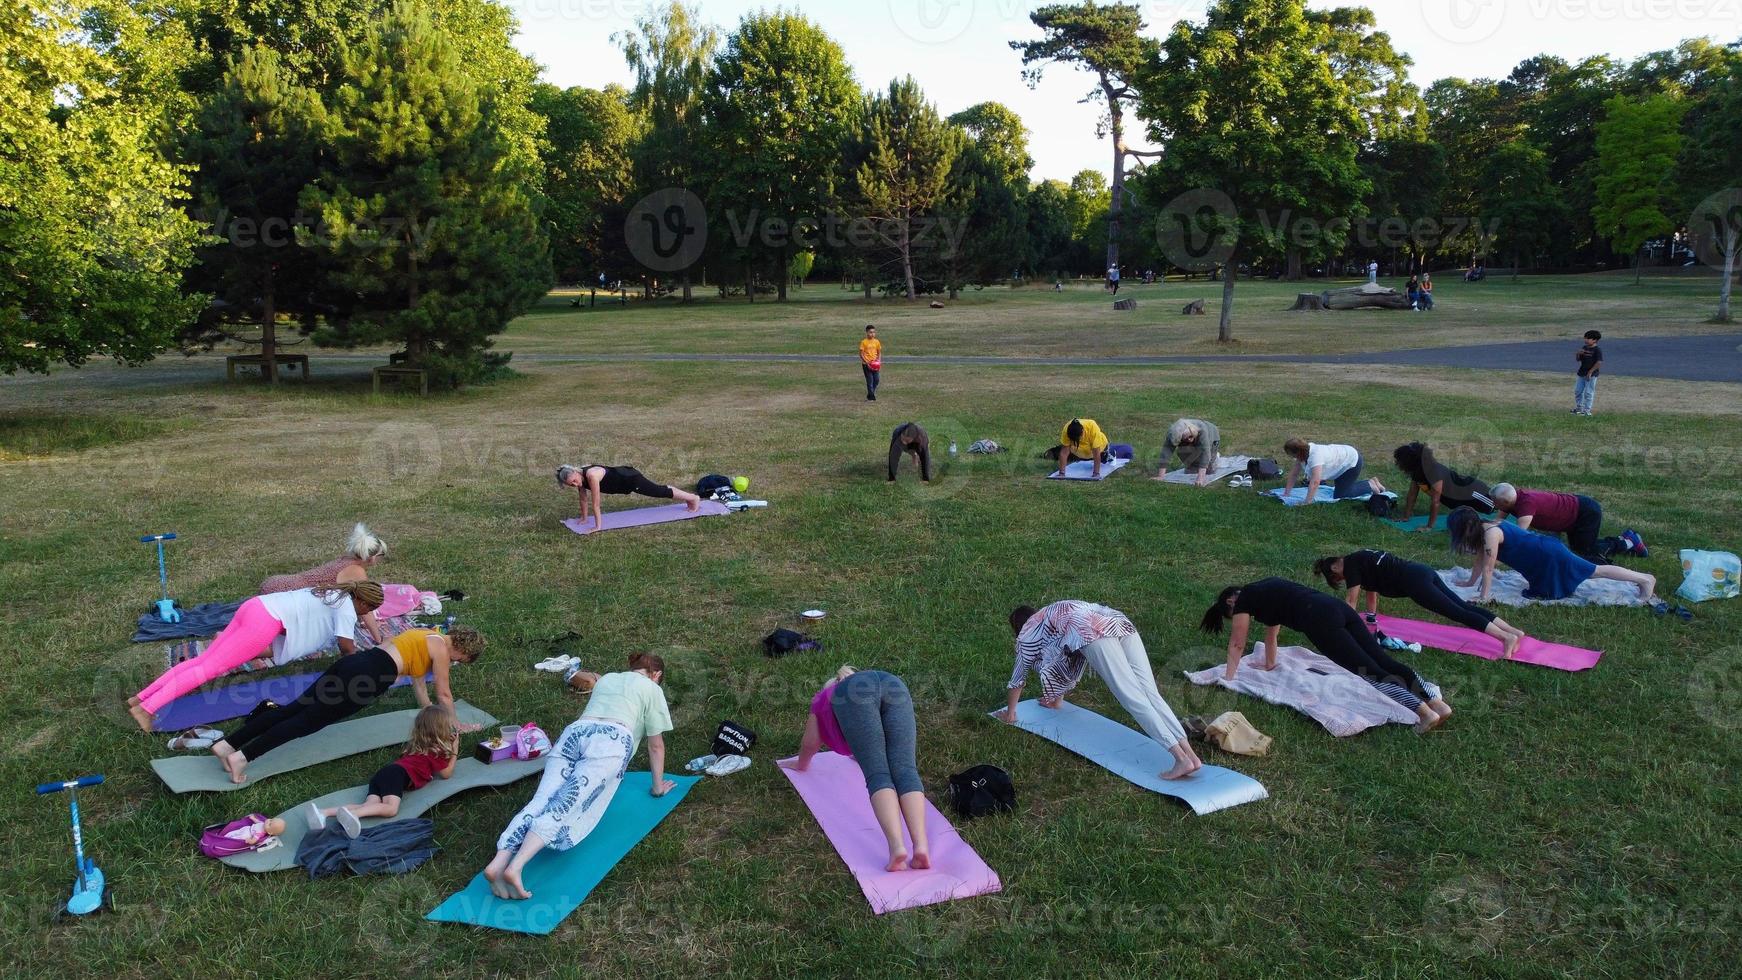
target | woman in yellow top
x=1082, y=439
x=871, y=360
x=351, y=684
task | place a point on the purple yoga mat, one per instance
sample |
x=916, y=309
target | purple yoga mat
x=1457, y=639
x=234, y=701
x=834, y=789
x=643, y=516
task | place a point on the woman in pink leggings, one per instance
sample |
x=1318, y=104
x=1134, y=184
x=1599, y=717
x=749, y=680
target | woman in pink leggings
x=293, y=625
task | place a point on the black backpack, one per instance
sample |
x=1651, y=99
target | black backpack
x=784, y=641
x=981, y=790
x=706, y=486
x=1263, y=469
x=733, y=739
x=1379, y=505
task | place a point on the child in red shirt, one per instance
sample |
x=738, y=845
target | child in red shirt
x=434, y=750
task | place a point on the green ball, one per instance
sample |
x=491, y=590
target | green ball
x=741, y=483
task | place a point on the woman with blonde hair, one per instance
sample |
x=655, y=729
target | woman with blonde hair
x=363, y=551
x=292, y=625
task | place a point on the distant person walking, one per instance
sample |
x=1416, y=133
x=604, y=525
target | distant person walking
x=1373, y=273
x=1590, y=358
x=1113, y=279
x=871, y=361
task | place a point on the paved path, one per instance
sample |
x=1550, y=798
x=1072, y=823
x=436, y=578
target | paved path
x=1706, y=357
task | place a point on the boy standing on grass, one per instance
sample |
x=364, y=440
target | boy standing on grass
x=871, y=360
x=1590, y=358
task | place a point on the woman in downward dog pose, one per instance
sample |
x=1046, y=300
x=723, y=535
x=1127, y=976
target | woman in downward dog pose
x=867, y=716
x=594, y=482
x=432, y=753
x=1382, y=573
x=586, y=765
x=1333, y=628
x=1061, y=641
x=1549, y=567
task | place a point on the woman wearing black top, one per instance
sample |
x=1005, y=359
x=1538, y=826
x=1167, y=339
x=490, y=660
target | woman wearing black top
x=1446, y=488
x=595, y=481
x=1382, y=573
x=1335, y=629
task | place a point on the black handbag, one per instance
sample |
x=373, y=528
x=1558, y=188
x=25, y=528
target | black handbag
x=784, y=641
x=733, y=739
x=981, y=790
x=1263, y=469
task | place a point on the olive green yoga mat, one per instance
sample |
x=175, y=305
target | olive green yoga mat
x=203, y=773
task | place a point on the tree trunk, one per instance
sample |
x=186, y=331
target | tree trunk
x=784, y=274
x=1116, y=203
x=750, y=281
x=1293, y=271
x=1638, y=261
x=685, y=280
x=906, y=246
x=268, y=330
x=1225, y=331
x=1731, y=240
x=414, y=344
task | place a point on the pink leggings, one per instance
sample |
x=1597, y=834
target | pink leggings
x=249, y=635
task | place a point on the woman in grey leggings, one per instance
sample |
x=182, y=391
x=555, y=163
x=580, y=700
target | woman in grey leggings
x=868, y=717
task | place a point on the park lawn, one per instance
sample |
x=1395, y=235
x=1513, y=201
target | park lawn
x=822, y=318
x=1563, y=825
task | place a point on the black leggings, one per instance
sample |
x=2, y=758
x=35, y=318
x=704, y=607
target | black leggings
x=1346, y=641
x=351, y=684
x=628, y=479
x=1431, y=592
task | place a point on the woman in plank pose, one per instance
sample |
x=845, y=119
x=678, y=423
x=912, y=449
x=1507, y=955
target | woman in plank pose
x=1062, y=640
x=1382, y=573
x=292, y=625
x=1447, y=489
x=432, y=753
x=351, y=684
x=593, y=482
x=1333, y=628
x=585, y=767
x=1549, y=567
x=867, y=715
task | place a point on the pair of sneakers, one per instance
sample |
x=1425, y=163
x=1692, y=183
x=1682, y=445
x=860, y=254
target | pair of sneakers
x=558, y=664
x=1239, y=480
x=349, y=822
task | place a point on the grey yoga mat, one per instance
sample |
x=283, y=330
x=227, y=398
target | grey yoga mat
x=205, y=774
x=469, y=774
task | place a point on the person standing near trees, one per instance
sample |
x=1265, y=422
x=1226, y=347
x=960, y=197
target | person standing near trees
x=871, y=361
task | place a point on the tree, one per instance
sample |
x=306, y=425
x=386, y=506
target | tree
x=1107, y=42
x=1250, y=107
x=1520, y=200
x=1708, y=175
x=903, y=180
x=1637, y=146
x=424, y=215
x=779, y=102
x=982, y=216
x=1002, y=139
x=93, y=238
x=669, y=54
x=589, y=136
x=254, y=143
x=1049, y=226
x=1088, y=201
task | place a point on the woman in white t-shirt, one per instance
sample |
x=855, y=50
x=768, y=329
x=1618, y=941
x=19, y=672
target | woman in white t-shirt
x=292, y=625
x=1328, y=462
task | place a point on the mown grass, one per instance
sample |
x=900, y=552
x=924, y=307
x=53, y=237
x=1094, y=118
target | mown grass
x=35, y=434
x=1564, y=825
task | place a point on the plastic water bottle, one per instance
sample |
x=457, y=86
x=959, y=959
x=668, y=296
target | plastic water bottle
x=952, y=447
x=448, y=625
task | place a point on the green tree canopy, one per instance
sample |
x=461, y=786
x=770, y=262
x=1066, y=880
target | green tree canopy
x=589, y=136
x=902, y=182
x=1637, y=147
x=1002, y=140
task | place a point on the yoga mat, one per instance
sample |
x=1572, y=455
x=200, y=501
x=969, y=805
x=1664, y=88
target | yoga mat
x=1226, y=466
x=1135, y=756
x=1419, y=521
x=468, y=774
x=203, y=773
x=1458, y=639
x=643, y=516
x=234, y=701
x=1327, y=495
x=1311, y=684
x=1509, y=586
x=207, y=619
x=1084, y=470
x=834, y=789
x=561, y=880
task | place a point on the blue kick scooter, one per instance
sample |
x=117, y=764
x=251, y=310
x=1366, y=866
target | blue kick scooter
x=88, y=893
x=166, y=609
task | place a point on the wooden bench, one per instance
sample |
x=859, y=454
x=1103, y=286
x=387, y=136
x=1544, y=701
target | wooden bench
x=402, y=375
x=282, y=361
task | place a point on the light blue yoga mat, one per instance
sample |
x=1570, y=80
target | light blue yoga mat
x=1419, y=522
x=1327, y=495
x=561, y=880
x=1130, y=753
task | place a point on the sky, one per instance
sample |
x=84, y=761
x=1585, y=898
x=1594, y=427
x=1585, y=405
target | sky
x=959, y=51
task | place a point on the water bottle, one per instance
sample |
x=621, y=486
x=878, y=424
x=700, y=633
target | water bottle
x=448, y=625
x=952, y=447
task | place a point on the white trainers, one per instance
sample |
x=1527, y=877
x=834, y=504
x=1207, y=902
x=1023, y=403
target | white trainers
x=349, y=822
x=557, y=665
x=729, y=764
x=312, y=813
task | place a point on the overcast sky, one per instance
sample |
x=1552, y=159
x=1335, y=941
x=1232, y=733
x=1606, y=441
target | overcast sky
x=959, y=52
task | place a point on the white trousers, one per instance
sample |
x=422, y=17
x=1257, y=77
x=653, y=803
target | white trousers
x=1124, y=665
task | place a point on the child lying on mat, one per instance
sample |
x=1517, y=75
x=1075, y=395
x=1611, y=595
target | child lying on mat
x=433, y=752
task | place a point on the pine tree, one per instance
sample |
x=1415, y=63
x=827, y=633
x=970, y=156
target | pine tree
x=904, y=178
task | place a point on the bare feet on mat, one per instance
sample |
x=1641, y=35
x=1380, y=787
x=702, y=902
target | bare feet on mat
x=222, y=749
x=237, y=766
x=1512, y=642
x=921, y=861
x=511, y=882
x=493, y=875
x=140, y=716
x=898, y=862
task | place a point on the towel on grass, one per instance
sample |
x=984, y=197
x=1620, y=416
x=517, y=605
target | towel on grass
x=388, y=848
x=1311, y=684
x=1226, y=466
x=1509, y=586
x=206, y=619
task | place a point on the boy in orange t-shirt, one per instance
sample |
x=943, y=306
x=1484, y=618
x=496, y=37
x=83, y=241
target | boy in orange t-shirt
x=871, y=360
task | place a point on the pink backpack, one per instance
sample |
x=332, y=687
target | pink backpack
x=530, y=742
x=222, y=840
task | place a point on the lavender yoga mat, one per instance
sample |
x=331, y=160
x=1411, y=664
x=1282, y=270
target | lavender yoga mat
x=234, y=701
x=643, y=516
x=834, y=789
x=1458, y=639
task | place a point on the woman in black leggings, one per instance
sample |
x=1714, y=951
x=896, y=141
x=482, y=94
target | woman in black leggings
x=595, y=481
x=1382, y=573
x=1333, y=627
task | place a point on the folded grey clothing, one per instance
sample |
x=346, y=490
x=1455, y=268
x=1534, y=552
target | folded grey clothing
x=206, y=619
x=387, y=848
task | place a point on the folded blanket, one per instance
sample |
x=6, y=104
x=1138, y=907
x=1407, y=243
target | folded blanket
x=1311, y=684
x=1226, y=466
x=206, y=619
x=1509, y=586
x=388, y=848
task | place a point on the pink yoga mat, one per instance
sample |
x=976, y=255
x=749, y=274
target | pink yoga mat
x=1457, y=639
x=643, y=516
x=834, y=789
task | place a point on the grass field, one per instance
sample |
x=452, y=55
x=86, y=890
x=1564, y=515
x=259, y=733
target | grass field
x=1563, y=824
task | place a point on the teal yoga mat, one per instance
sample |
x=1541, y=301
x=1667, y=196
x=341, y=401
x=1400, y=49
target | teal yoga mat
x=561, y=880
x=203, y=773
x=1419, y=522
x=468, y=774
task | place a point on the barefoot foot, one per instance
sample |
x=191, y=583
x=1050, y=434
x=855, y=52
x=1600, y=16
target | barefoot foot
x=516, y=890
x=897, y=862
x=921, y=861
x=140, y=716
x=1180, y=770
x=1512, y=643
x=493, y=875
x=237, y=766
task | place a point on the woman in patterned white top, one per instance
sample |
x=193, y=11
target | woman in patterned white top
x=1059, y=642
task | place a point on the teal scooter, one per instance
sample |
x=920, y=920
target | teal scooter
x=166, y=609
x=88, y=892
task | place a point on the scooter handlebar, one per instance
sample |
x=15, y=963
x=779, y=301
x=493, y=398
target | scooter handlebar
x=46, y=788
x=157, y=537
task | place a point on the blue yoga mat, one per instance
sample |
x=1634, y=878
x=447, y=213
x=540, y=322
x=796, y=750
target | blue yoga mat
x=561, y=880
x=235, y=700
x=1419, y=522
x=1130, y=753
